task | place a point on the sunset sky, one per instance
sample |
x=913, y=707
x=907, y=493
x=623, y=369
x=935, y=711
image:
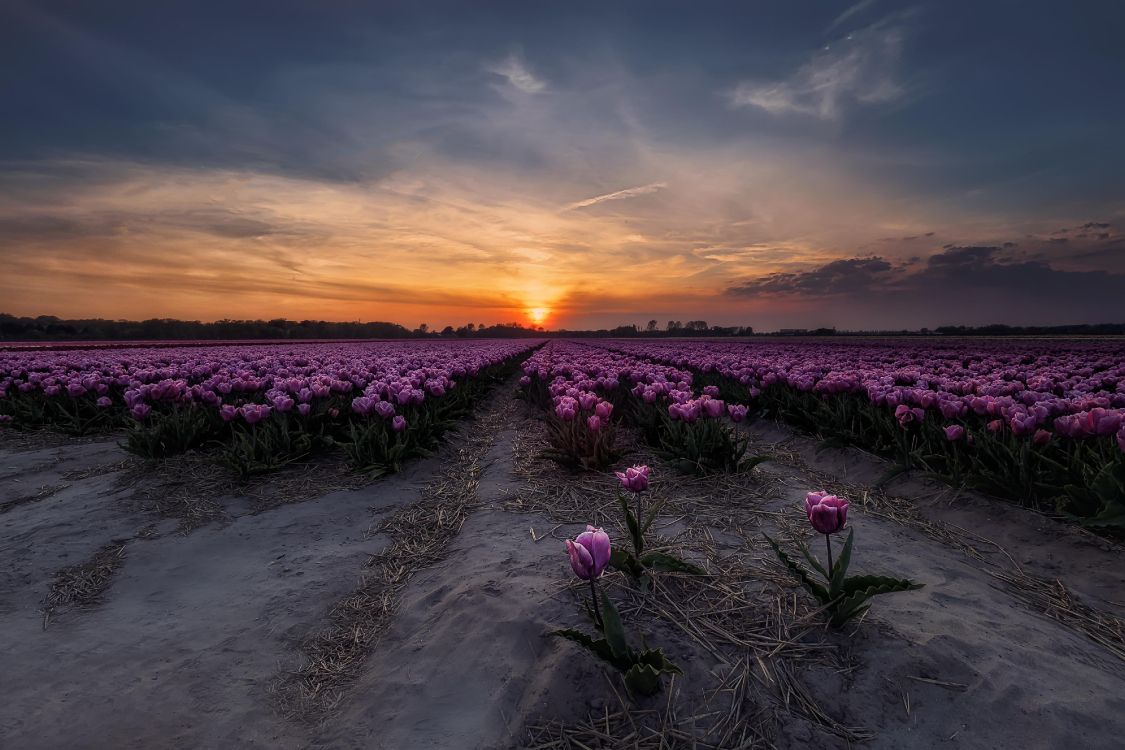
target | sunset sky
x=776, y=164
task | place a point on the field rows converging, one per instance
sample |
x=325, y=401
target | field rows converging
x=564, y=544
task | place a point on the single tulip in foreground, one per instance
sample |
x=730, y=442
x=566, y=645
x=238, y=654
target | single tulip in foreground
x=844, y=597
x=589, y=554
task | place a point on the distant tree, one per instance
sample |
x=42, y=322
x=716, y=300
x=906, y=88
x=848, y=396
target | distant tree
x=447, y=331
x=651, y=327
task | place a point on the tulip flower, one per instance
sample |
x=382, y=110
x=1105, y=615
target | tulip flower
x=7, y=419
x=104, y=402
x=398, y=424
x=954, y=432
x=635, y=478
x=1041, y=438
x=589, y=554
x=594, y=423
x=604, y=409
x=737, y=412
x=828, y=514
x=713, y=408
x=140, y=411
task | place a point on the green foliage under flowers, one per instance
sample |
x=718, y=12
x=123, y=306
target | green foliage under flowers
x=642, y=669
x=576, y=446
x=271, y=445
x=1081, y=479
x=844, y=596
x=71, y=415
x=705, y=446
x=168, y=433
x=638, y=564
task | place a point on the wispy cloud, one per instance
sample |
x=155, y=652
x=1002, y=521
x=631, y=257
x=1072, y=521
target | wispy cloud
x=516, y=71
x=859, y=68
x=851, y=12
x=619, y=195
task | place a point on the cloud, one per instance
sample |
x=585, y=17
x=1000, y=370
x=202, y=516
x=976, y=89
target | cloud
x=619, y=195
x=851, y=12
x=838, y=277
x=960, y=284
x=858, y=69
x=515, y=70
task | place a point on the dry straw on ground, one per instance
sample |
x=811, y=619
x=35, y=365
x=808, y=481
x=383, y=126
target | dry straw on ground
x=83, y=584
x=419, y=537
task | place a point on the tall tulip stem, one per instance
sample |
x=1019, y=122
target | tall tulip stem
x=828, y=539
x=597, y=612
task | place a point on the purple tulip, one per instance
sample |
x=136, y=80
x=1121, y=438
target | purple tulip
x=363, y=405
x=737, y=412
x=1041, y=438
x=594, y=423
x=228, y=412
x=635, y=478
x=75, y=389
x=907, y=416
x=104, y=402
x=385, y=409
x=140, y=411
x=712, y=407
x=7, y=419
x=589, y=553
x=304, y=409
x=954, y=432
x=995, y=426
x=254, y=413
x=398, y=424
x=828, y=514
x=604, y=409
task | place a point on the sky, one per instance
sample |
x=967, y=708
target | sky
x=861, y=165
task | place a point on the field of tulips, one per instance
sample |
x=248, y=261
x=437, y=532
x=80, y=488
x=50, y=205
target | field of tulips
x=258, y=407
x=1040, y=422
x=587, y=389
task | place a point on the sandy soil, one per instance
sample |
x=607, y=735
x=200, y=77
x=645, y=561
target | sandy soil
x=199, y=630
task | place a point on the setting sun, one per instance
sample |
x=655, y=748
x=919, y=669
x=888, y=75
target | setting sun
x=538, y=314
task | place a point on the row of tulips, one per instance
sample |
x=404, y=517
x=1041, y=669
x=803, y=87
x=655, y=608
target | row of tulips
x=1039, y=422
x=260, y=406
x=841, y=597
x=585, y=389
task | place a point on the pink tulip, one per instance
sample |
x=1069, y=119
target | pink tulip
x=712, y=407
x=604, y=409
x=827, y=513
x=589, y=553
x=635, y=478
x=907, y=416
x=995, y=425
x=1041, y=438
x=594, y=423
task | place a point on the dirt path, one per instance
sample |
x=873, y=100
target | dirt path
x=235, y=632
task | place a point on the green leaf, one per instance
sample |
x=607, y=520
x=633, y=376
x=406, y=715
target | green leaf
x=642, y=679
x=599, y=647
x=670, y=564
x=613, y=630
x=652, y=513
x=657, y=660
x=856, y=590
x=801, y=574
x=624, y=561
x=817, y=566
x=631, y=522
x=840, y=567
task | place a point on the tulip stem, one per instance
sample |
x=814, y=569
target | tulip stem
x=828, y=539
x=597, y=612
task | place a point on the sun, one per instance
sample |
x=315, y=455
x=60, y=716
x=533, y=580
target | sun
x=538, y=314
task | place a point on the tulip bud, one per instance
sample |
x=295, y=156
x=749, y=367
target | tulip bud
x=589, y=553
x=828, y=514
x=635, y=478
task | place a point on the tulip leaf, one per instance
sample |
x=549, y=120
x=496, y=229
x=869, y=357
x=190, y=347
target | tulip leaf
x=801, y=574
x=633, y=524
x=613, y=630
x=599, y=647
x=642, y=679
x=840, y=568
x=817, y=566
x=670, y=564
x=652, y=513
